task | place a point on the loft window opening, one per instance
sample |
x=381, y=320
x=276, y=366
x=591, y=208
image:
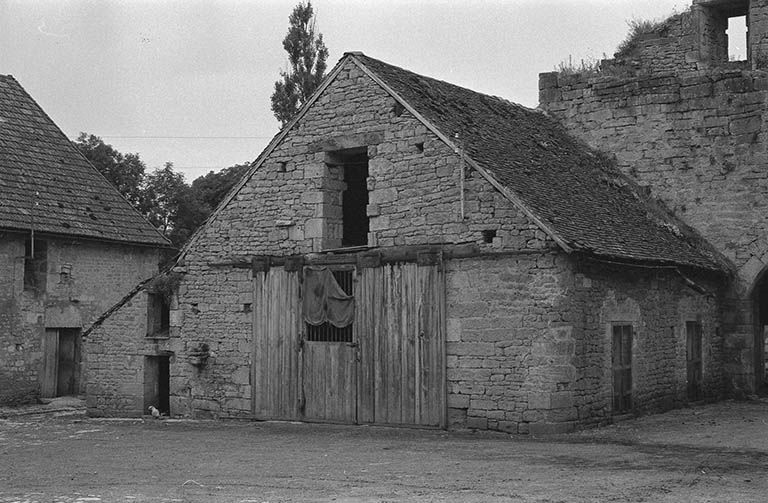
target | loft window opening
x=158, y=315
x=354, y=197
x=35, y=265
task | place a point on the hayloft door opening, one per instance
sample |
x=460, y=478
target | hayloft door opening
x=329, y=346
x=157, y=383
x=61, y=362
x=354, y=200
x=693, y=359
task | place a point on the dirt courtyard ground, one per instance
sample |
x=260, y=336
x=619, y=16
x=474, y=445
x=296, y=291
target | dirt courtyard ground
x=716, y=452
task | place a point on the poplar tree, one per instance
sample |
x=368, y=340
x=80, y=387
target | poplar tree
x=306, y=58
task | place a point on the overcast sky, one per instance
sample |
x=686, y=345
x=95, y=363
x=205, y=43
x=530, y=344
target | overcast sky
x=190, y=81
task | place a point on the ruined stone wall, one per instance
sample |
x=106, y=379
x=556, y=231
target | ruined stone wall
x=529, y=341
x=695, y=136
x=97, y=276
x=291, y=204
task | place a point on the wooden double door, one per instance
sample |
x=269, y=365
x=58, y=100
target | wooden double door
x=386, y=368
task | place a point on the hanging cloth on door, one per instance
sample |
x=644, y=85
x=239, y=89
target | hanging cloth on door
x=324, y=300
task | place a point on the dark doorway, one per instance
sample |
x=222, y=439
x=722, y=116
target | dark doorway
x=157, y=383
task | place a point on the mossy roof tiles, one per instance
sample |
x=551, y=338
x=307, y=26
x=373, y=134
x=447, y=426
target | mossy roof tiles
x=48, y=186
x=573, y=190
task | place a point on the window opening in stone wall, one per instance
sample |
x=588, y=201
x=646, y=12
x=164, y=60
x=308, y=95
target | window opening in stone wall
x=737, y=38
x=622, y=368
x=35, y=265
x=488, y=235
x=354, y=201
x=327, y=332
x=693, y=358
x=723, y=31
x=158, y=315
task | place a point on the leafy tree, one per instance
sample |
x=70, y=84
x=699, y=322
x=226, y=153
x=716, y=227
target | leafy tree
x=211, y=188
x=163, y=193
x=306, y=55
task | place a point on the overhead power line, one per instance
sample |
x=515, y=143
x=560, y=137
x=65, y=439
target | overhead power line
x=185, y=137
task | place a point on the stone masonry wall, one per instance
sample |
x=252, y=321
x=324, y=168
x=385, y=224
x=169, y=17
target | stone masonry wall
x=529, y=341
x=219, y=316
x=97, y=276
x=657, y=304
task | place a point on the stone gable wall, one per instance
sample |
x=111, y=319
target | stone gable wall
x=291, y=203
x=100, y=274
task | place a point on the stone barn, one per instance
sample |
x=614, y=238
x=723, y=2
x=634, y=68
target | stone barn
x=70, y=247
x=689, y=123
x=410, y=252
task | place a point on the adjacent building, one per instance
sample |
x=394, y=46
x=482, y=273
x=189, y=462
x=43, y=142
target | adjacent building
x=70, y=247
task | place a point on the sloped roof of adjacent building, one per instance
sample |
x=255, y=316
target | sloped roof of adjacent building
x=46, y=184
x=571, y=190
x=574, y=193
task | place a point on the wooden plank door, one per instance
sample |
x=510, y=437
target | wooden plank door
x=400, y=325
x=622, y=368
x=276, y=326
x=48, y=376
x=693, y=359
x=329, y=365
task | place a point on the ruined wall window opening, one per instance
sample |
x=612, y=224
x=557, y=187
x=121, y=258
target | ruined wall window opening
x=35, y=265
x=326, y=332
x=354, y=197
x=158, y=315
x=724, y=31
x=488, y=235
x=737, y=38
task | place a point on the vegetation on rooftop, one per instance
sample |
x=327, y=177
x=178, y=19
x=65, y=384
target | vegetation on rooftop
x=638, y=28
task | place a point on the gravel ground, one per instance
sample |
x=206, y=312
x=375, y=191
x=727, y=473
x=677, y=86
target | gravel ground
x=716, y=452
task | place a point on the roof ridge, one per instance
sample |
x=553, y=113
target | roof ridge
x=440, y=81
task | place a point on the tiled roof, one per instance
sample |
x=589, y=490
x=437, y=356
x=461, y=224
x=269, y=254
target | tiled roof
x=46, y=184
x=574, y=191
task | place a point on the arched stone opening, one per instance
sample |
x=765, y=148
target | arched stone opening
x=760, y=318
